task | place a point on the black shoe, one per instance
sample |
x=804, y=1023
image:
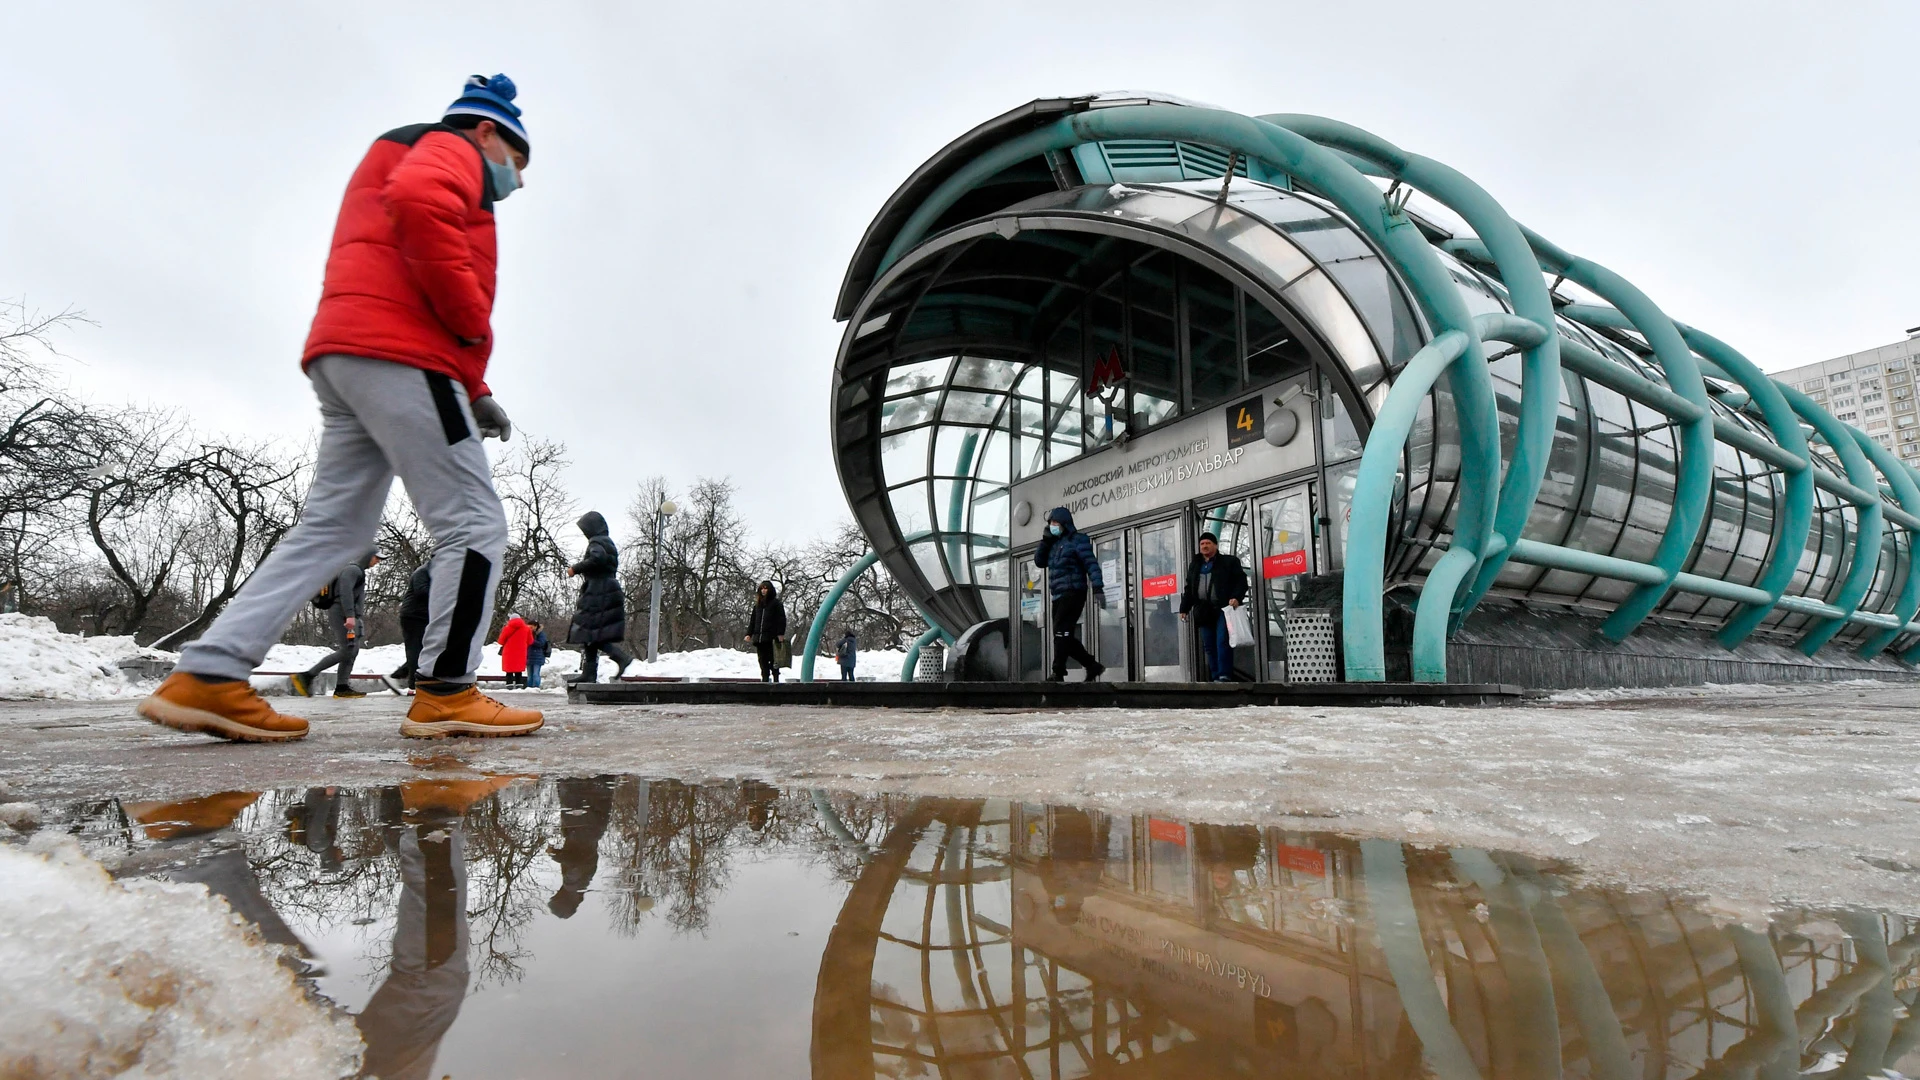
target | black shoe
x=1095, y=671
x=394, y=684
x=1058, y=676
x=348, y=691
x=301, y=684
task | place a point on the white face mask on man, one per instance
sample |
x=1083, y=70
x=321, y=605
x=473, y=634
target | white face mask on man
x=1054, y=529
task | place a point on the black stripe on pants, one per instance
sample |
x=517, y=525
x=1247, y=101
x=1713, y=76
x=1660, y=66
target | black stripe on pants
x=1067, y=607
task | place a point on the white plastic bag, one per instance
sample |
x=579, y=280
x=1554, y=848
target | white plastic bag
x=1239, y=626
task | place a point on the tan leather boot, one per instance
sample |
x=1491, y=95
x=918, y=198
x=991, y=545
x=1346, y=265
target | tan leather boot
x=226, y=710
x=468, y=712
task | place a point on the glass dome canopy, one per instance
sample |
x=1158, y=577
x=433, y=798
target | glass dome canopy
x=985, y=328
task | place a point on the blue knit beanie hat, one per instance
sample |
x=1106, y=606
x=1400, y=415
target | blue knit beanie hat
x=492, y=99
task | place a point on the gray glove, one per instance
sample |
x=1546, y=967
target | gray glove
x=492, y=419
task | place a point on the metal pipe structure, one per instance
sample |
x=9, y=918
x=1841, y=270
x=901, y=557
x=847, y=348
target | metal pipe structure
x=1055, y=288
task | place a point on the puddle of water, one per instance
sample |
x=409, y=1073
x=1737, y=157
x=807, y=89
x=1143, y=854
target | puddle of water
x=510, y=927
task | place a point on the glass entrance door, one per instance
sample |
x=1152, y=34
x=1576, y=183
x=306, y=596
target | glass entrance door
x=1286, y=558
x=1110, y=622
x=1157, y=611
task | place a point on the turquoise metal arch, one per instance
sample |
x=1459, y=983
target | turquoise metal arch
x=1496, y=497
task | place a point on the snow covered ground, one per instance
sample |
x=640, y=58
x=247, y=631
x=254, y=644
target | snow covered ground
x=38, y=661
x=159, y=979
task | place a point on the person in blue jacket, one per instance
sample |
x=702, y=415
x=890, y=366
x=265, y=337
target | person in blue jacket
x=1072, y=572
x=847, y=654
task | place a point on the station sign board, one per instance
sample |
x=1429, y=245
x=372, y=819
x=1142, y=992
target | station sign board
x=1209, y=452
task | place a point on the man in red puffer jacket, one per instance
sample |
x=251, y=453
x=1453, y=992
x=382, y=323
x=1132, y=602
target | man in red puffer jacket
x=398, y=358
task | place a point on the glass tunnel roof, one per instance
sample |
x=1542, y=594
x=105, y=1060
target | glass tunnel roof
x=974, y=359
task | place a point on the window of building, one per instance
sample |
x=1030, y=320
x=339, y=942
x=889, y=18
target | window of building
x=1213, y=339
x=1899, y=378
x=1876, y=425
x=1867, y=369
x=1875, y=410
x=1843, y=403
x=1820, y=395
x=1848, y=415
x=1813, y=384
x=1874, y=395
x=1896, y=365
x=1155, y=373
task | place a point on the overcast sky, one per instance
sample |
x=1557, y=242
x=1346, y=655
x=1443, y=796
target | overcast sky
x=701, y=172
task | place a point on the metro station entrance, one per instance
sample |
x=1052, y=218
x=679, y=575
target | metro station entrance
x=1139, y=635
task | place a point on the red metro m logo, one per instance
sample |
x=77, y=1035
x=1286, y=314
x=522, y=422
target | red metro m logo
x=1108, y=375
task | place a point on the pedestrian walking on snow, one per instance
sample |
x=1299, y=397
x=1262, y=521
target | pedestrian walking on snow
x=766, y=628
x=514, y=638
x=600, y=619
x=1072, y=575
x=847, y=654
x=398, y=358
x=414, y=614
x=538, y=650
x=344, y=599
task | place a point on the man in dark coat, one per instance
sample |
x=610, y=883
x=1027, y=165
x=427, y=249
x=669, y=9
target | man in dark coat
x=600, y=620
x=1072, y=572
x=1215, y=582
x=414, y=616
x=848, y=654
x=346, y=597
x=767, y=626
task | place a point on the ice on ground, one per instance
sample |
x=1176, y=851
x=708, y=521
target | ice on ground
x=38, y=661
x=146, y=978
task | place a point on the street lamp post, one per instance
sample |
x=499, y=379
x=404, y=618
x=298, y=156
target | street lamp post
x=665, y=510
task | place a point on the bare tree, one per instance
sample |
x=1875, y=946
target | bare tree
x=533, y=569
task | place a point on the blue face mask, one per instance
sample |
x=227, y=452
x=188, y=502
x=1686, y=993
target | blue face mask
x=1054, y=528
x=505, y=176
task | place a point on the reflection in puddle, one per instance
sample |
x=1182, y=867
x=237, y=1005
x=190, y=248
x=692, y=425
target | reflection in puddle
x=612, y=926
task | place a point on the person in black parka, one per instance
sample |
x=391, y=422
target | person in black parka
x=768, y=625
x=600, y=619
x=1215, y=582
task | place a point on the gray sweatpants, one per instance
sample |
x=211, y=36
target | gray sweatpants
x=379, y=420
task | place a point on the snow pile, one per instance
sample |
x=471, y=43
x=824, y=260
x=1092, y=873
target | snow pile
x=1704, y=690
x=145, y=978
x=38, y=661
x=880, y=665
x=383, y=659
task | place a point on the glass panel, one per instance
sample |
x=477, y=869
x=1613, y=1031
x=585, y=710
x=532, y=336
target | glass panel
x=1286, y=558
x=1160, y=603
x=990, y=514
x=927, y=556
x=908, y=411
x=904, y=456
x=992, y=465
x=1272, y=350
x=1271, y=249
x=1339, y=438
x=1340, y=482
x=1110, y=624
x=950, y=499
x=957, y=450
x=1155, y=373
x=971, y=407
x=1030, y=628
x=1106, y=368
x=910, y=509
x=1316, y=297
x=919, y=375
x=985, y=372
x=1213, y=335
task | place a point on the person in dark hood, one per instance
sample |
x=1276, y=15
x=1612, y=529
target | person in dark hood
x=415, y=613
x=1215, y=581
x=848, y=654
x=767, y=626
x=345, y=601
x=584, y=807
x=1072, y=573
x=600, y=619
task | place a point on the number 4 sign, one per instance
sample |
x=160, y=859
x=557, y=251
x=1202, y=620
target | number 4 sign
x=1246, y=422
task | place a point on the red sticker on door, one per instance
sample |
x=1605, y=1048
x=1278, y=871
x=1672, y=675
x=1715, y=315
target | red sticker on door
x=1171, y=832
x=1300, y=860
x=1165, y=585
x=1284, y=564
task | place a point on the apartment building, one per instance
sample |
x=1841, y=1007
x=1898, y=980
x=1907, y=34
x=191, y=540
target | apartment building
x=1871, y=390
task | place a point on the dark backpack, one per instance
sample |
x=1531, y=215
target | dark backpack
x=325, y=598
